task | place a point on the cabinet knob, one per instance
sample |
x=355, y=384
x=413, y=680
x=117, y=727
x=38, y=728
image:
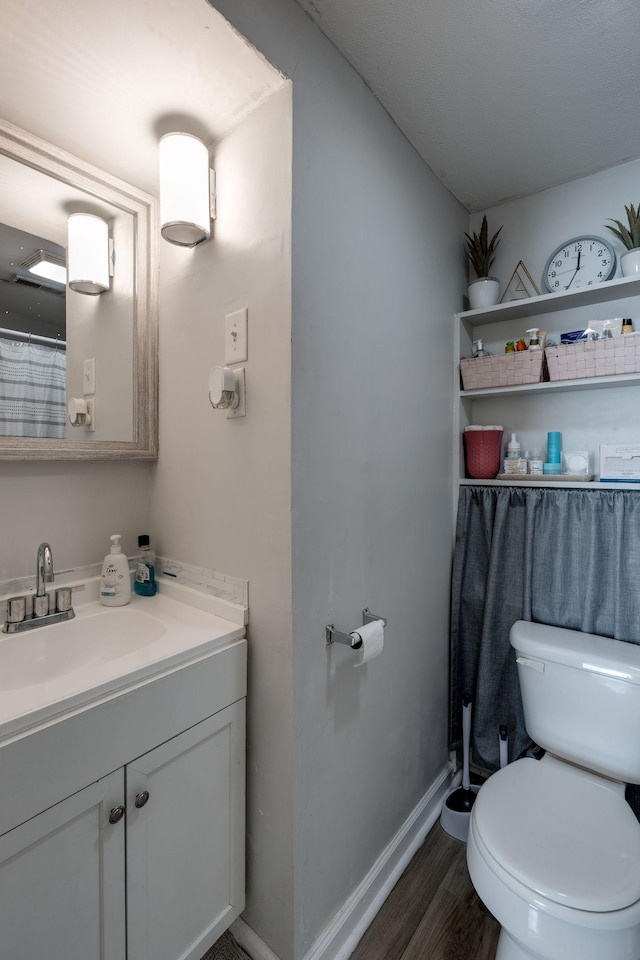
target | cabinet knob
x=141, y=799
x=115, y=814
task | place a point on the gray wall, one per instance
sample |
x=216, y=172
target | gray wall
x=377, y=273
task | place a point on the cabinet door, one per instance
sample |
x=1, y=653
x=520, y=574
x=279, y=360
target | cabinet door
x=185, y=839
x=62, y=880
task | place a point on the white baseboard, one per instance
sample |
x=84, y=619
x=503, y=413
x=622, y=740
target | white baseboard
x=347, y=927
x=249, y=940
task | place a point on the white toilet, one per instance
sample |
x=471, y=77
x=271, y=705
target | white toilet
x=553, y=848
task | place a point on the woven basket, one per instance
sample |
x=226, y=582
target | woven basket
x=505, y=370
x=594, y=358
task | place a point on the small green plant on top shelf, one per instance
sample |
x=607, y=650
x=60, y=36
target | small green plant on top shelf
x=480, y=251
x=629, y=237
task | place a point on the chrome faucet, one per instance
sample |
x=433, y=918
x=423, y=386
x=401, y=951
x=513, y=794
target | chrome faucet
x=19, y=615
x=44, y=575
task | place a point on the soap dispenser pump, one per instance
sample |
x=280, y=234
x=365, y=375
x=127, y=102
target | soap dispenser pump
x=115, y=581
x=513, y=448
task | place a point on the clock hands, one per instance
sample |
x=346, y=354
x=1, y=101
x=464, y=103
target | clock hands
x=576, y=270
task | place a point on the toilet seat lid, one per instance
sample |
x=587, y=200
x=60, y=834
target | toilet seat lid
x=562, y=833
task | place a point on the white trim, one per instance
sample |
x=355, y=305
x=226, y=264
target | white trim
x=249, y=940
x=348, y=926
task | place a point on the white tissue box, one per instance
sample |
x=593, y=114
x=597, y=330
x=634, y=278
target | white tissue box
x=620, y=462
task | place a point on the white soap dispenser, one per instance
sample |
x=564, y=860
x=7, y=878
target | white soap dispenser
x=115, y=581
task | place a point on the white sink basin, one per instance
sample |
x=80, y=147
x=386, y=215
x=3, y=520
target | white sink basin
x=49, y=671
x=74, y=646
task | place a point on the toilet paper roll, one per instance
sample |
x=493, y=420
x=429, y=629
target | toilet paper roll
x=372, y=637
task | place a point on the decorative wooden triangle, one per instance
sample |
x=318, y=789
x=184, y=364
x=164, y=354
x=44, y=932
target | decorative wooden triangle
x=521, y=285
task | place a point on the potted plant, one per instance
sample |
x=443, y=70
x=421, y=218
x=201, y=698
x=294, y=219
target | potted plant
x=480, y=254
x=629, y=237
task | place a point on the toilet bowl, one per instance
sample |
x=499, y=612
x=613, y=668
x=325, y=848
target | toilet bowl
x=560, y=885
x=553, y=848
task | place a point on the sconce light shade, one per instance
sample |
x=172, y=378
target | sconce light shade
x=88, y=254
x=185, y=217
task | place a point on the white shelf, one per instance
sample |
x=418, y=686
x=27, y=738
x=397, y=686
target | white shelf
x=555, y=386
x=602, y=418
x=551, y=302
x=542, y=482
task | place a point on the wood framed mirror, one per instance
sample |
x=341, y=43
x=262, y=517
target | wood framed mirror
x=104, y=348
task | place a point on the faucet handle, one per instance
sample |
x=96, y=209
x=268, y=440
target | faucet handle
x=16, y=609
x=63, y=599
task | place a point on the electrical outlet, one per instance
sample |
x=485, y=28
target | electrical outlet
x=91, y=413
x=235, y=337
x=241, y=409
x=89, y=377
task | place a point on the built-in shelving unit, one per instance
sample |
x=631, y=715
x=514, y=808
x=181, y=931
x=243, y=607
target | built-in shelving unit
x=587, y=411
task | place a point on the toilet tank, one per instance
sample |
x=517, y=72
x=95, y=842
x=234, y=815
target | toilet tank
x=581, y=697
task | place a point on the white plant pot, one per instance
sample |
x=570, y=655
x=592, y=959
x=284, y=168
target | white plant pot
x=483, y=292
x=630, y=263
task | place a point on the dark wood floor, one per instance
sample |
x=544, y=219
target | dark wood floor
x=433, y=912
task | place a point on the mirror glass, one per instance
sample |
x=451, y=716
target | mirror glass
x=56, y=343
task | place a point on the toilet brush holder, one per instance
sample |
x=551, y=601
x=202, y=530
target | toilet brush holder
x=456, y=809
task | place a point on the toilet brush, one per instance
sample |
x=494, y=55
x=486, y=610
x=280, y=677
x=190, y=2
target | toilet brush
x=456, y=808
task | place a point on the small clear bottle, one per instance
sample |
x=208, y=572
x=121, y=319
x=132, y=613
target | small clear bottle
x=479, y=350
x=145, y=582
x=535, y=463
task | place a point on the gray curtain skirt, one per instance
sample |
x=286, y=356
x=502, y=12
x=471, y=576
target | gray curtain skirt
x=567, y=557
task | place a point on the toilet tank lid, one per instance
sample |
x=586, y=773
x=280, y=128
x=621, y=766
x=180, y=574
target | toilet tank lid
x=584, y=651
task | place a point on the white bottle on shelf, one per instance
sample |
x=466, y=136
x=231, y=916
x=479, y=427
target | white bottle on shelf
x=513, y=448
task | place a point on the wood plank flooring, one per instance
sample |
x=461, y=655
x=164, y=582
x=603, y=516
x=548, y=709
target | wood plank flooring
x=433, y=912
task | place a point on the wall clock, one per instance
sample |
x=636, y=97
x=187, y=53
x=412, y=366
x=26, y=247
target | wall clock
x=580, y=262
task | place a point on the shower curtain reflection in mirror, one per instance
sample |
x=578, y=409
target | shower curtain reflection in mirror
x=33, y=383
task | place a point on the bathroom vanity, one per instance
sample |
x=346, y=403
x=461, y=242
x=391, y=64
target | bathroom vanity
x=122, y=783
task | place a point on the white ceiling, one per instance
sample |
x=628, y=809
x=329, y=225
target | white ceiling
x=105, y=81
x=502, y=98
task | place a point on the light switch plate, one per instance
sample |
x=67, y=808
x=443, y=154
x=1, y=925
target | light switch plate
x=241, y=409
x=89, y=377
x=235, y=337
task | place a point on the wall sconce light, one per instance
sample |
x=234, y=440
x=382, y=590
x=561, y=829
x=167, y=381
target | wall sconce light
x=88, y=254
x=185, y=190
x=48, y=265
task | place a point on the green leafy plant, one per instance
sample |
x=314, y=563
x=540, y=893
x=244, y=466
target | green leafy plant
x=628, y=236
x=480, y=251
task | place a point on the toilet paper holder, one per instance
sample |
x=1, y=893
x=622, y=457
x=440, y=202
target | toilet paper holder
x=335, y=636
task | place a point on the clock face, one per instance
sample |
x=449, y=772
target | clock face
x=581, y=262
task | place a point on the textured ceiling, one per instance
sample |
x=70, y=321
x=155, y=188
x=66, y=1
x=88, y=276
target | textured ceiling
x=502, y=98
x=105, y=81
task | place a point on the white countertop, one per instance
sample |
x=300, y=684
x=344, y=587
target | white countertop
x=58, y=669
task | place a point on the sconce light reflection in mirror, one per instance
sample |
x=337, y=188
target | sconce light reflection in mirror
x=185, y=198
x=88, y=254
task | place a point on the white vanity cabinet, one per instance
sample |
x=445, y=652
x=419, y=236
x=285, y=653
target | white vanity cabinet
x=145, y=862
x=62, y=890
x=587, y=412
x=185, y=840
